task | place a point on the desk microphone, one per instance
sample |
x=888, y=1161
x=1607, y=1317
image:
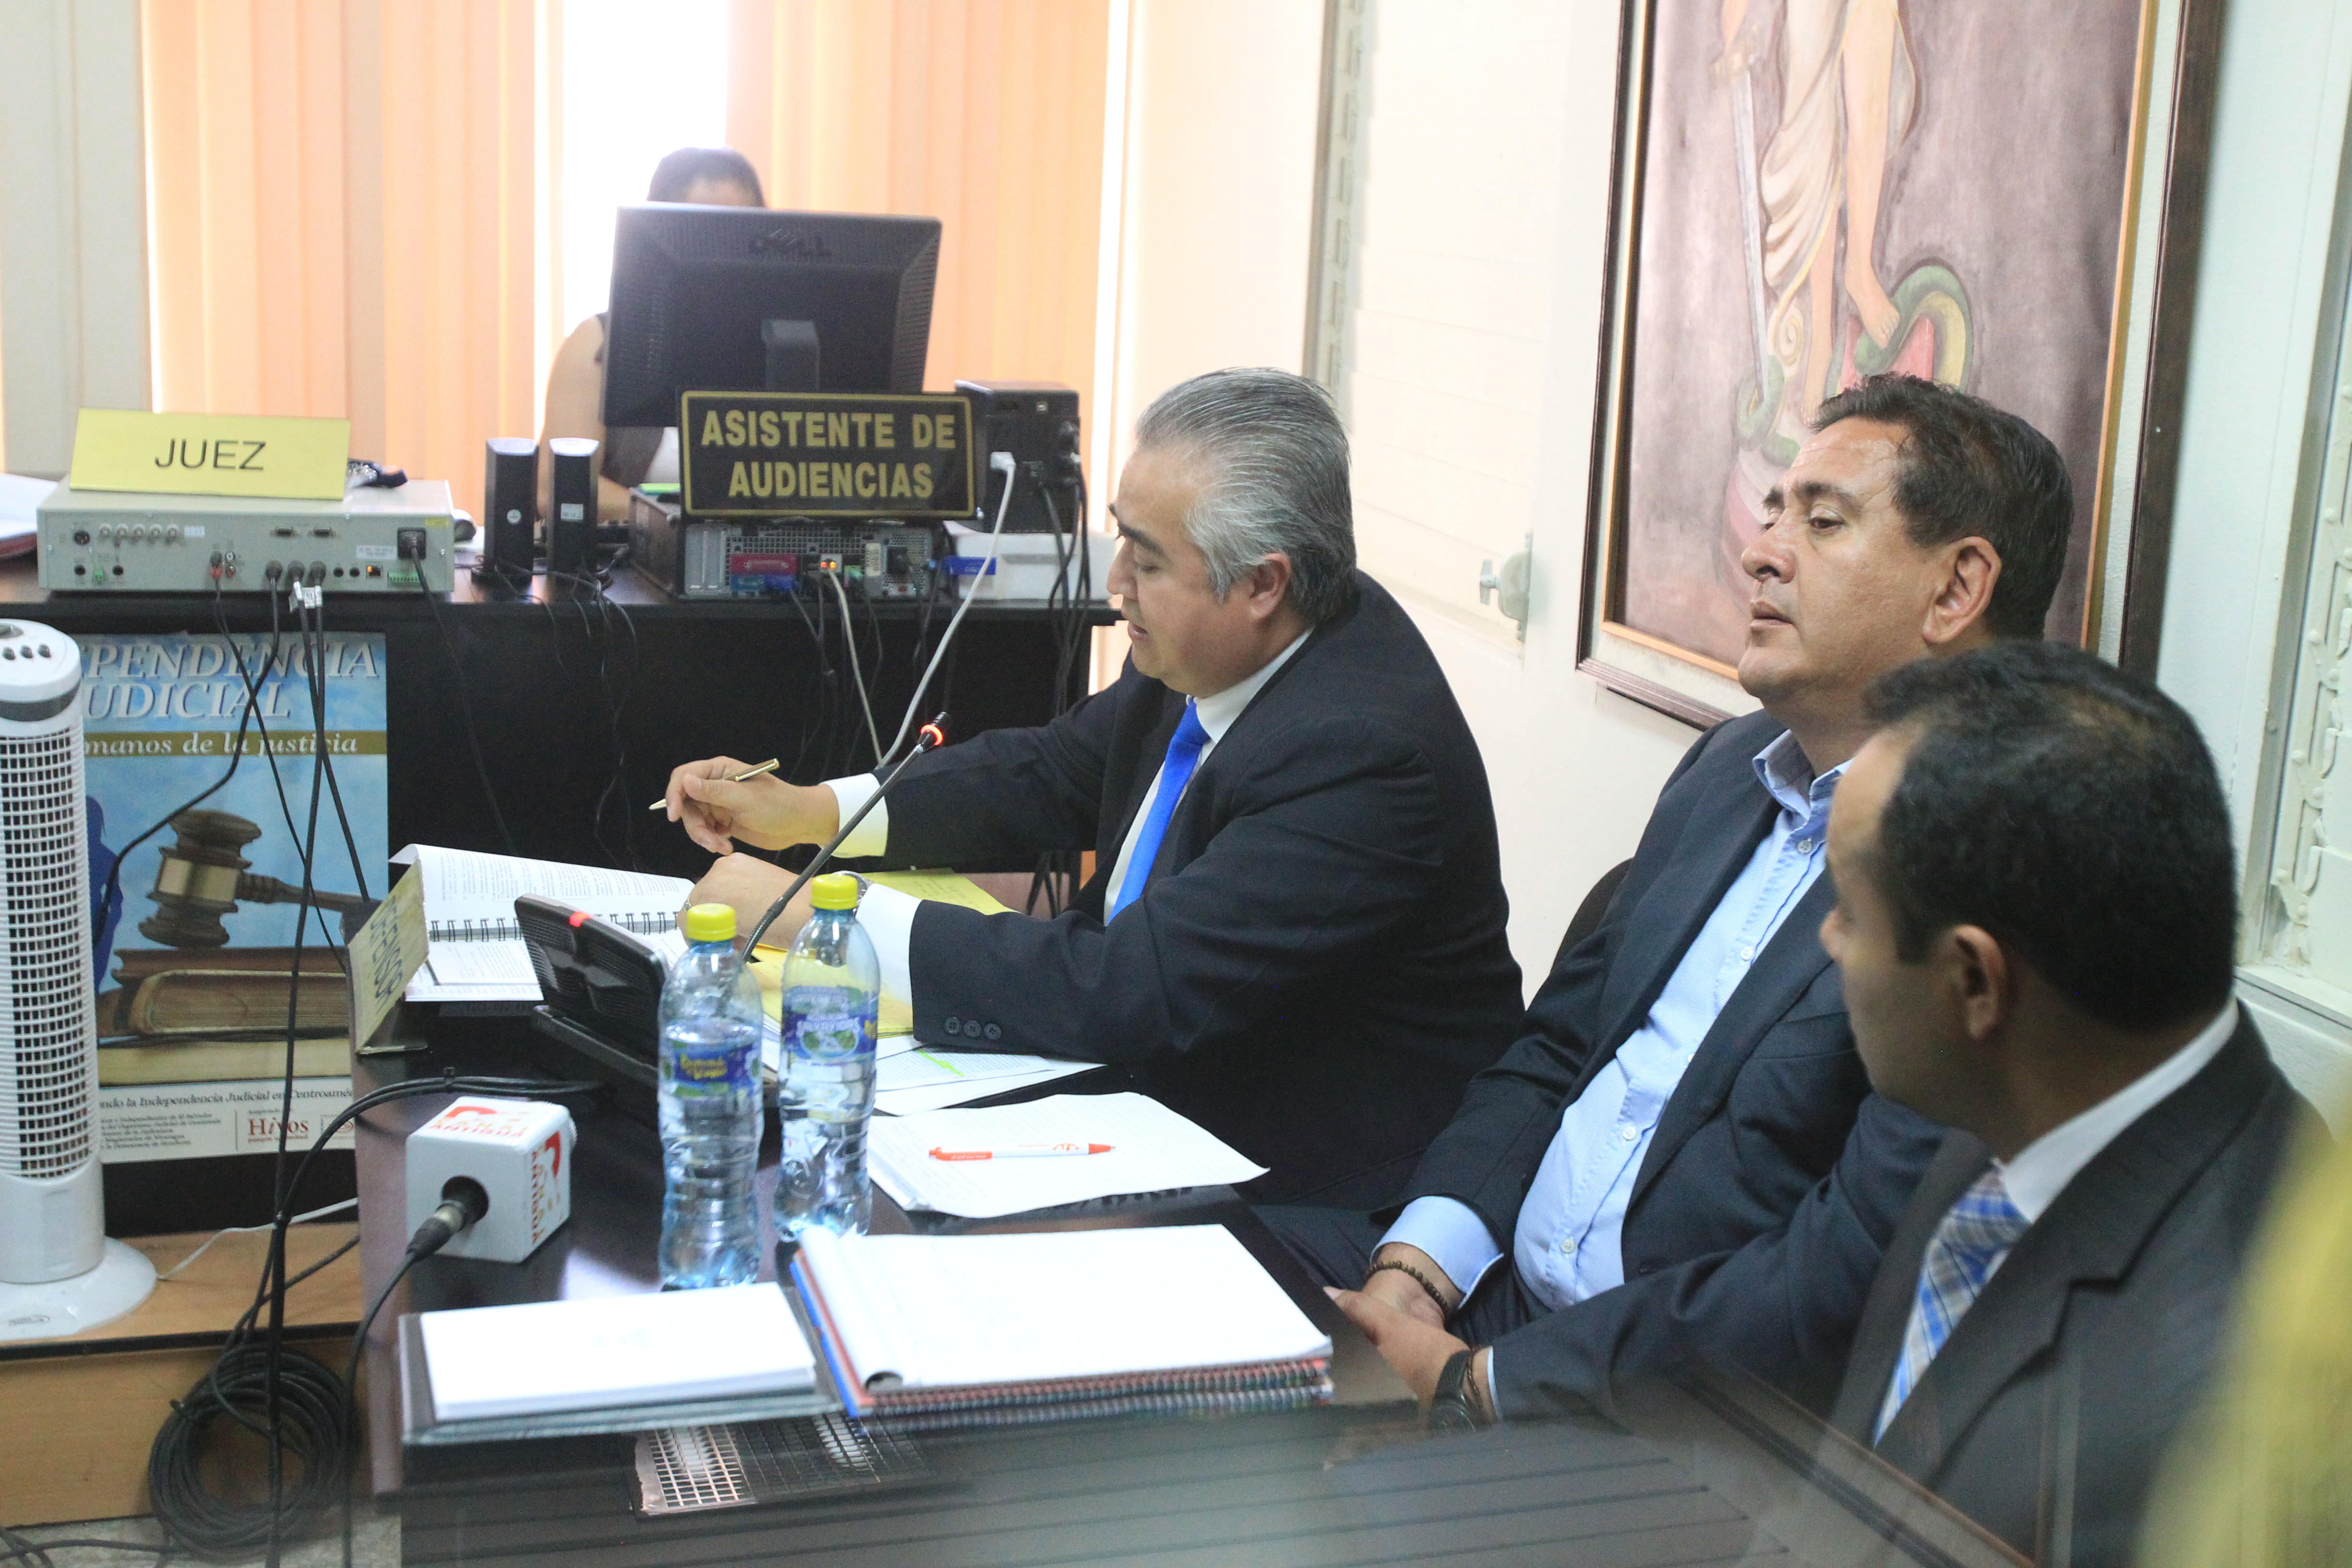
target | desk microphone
x=932, y=734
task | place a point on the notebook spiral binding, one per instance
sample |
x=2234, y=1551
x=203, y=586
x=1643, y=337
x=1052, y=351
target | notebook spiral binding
x=652, y=923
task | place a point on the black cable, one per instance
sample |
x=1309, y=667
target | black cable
x=275, y=1383
x=313, y=1417
x=465, y=708
x=616, y=792
x=38, y=1553
x=352, y=1370
x=301, y=1407
x=237, y=755
x=326, y=759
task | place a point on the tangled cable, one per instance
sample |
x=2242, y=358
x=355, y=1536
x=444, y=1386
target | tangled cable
x=312, y=1427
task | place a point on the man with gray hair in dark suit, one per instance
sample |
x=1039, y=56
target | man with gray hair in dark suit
x=1295, y=931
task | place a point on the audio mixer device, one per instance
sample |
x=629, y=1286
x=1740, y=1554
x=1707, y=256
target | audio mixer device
x=370, y=542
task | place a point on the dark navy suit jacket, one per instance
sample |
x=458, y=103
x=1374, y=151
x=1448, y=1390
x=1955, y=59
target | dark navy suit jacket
x=1318, y=961
x=1775, y=1177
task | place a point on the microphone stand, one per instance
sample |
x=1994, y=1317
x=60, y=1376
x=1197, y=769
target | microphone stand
x=932, y=734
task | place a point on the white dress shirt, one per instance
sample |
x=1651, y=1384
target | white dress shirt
x=889, y=915
x=2041, y=1170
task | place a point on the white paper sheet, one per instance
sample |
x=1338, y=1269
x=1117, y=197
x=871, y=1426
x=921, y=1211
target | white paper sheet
x=916, y=1100
x=909, y=1078
x=614, y=1351
x=1152, y=1150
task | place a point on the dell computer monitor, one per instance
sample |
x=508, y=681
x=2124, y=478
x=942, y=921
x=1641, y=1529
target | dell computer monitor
x=706, y=299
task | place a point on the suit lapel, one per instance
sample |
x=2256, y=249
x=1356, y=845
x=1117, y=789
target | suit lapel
x=2093, y=1232
x=1150, y=752
x=1714, y=847
x=1790, y=963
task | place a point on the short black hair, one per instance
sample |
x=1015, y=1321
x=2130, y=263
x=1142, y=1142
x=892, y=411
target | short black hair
x=676, y=172
x=1970, y=468
x=2072, y=811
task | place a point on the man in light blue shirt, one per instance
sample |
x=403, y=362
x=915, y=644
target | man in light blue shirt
x=1680, y=1155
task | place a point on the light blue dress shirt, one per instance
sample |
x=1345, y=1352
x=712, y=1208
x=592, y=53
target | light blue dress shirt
x=1567, y=1244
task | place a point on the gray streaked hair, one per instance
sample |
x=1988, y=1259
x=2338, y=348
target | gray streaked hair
x=1277, y=480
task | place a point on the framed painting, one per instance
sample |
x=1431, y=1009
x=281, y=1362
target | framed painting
x=1809, y=192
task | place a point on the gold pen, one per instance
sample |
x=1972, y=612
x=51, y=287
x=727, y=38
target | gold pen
x=767, y=767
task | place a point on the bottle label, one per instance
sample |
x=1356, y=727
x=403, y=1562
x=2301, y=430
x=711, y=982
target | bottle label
x=713, y=1068
x=834, y=1035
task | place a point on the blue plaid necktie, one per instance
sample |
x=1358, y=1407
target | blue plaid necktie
x=1966, y=1250
x=1184, y=756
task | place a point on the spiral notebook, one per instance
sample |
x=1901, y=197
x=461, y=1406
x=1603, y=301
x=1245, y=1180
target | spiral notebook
x=927, y=1331
x=474, y=952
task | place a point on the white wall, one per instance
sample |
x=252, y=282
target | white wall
x=1499, y=352
x=73, y=223
x=1219, y=177
x=2247, y=459
x=1218, y=207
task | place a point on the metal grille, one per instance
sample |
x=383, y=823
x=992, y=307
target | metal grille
x=47, y=1064
x=684, y=1469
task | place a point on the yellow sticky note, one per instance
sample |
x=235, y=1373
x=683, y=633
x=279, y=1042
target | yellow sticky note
x=897, y=1014
x=210, y=454
x=940, y=887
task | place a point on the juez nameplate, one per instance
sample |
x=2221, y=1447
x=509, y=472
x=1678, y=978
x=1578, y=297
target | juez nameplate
x=825, y=454
x=210, y=454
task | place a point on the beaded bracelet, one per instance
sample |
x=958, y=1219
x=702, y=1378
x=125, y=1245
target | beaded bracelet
x=1418, y=1278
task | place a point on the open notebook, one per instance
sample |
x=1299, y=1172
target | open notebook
x=475, y=952
x=982, y=1330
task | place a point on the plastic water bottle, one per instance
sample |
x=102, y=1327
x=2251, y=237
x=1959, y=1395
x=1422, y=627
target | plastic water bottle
x=832, y=989
x=709, y=1110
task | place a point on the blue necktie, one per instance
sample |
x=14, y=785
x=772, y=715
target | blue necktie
x=1969, y=1243
x=1184, y=756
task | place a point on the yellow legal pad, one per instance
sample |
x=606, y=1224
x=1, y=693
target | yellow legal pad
x=210, y=454
x=897, y=1013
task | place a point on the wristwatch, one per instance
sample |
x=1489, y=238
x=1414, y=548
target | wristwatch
x=1450, y=1410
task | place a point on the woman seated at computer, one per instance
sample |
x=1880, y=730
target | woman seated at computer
x=704, y=177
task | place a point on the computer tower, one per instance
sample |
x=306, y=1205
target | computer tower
x=1038, y=422
x=509, y=505
x=572, y=520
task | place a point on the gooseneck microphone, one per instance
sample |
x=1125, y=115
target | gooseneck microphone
x=932, y=734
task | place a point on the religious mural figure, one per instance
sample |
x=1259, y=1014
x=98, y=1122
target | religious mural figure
x=1826, y=189
x=1821, y=316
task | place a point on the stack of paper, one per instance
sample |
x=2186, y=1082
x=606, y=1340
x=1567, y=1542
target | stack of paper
x=937, y=1330
x=1152, y=1150
x=613, y=1352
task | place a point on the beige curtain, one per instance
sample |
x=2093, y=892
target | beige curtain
x=986, y=114
x=351, y=202
x=343, y=206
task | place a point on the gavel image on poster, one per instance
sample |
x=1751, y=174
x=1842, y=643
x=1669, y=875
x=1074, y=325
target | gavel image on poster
x=203, y=875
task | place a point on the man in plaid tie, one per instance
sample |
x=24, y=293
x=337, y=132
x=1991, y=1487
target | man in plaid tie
x=2036, y=918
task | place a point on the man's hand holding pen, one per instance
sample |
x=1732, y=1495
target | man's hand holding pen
x=764, y=812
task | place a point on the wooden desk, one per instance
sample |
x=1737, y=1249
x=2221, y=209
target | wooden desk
x=78, y=1415
x=1729, y=1474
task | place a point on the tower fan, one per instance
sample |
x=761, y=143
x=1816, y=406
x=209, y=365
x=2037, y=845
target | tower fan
x=59, y=1273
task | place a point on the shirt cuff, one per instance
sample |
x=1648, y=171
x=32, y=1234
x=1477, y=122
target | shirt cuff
x=1453, y=1235
x=873, y=834
x=888, y=916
